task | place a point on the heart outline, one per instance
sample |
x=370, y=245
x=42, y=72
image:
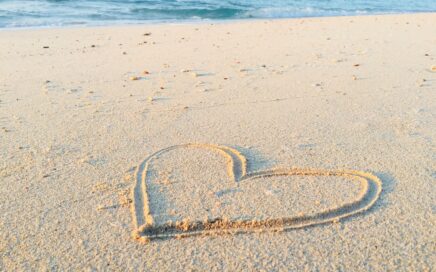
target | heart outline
x=145, y=229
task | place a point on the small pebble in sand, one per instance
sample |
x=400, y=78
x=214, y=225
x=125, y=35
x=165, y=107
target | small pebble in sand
x=421, y=82
x=145, y=72
x=356, y=65
x=433, y=68
x=173, y=213
x=70, y=91
x=185, y=71
x=147, y=34
x=161, y=87
x=45, y=47
x=124, y=53
x=127, y=177
x=134, y=78
x=194, y=74
x=150, y=99
x=354, y=77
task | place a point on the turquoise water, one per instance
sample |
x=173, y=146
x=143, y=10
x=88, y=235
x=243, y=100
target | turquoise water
x=34, y=13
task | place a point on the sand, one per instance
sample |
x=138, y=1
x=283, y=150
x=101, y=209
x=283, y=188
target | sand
x=302, y=144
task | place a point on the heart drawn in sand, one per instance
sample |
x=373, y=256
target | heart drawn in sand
x=147, y=229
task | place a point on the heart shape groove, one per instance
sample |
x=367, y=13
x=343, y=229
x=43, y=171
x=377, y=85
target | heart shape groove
x=146, y=229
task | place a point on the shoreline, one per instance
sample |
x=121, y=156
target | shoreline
x=204, y=21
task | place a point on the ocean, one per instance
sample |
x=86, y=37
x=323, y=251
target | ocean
x=37, y=13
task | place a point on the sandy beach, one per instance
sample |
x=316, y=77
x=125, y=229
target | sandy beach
x=259, y=145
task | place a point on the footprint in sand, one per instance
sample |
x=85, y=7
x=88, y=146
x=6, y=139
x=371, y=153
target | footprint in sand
x=205, y=189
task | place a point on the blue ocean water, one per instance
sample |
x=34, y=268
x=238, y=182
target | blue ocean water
x=37, y=13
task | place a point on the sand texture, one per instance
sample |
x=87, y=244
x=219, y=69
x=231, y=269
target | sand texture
x=282, y=145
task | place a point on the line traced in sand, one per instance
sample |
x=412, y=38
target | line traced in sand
x=146, y=230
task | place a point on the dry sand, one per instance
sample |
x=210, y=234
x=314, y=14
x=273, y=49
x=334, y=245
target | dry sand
x=82, y=108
